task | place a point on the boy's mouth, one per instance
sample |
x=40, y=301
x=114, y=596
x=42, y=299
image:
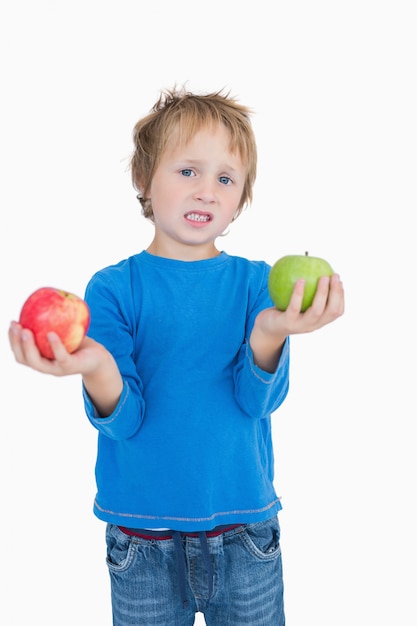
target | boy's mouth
x=193, y=216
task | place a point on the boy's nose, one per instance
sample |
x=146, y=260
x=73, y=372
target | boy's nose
x=205, y=191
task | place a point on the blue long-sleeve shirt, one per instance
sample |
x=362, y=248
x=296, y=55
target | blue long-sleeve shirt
x=189, y=444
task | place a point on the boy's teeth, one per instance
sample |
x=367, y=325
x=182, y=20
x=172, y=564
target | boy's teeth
x=198, y=218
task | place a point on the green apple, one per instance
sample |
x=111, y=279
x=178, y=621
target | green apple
x=287, y=270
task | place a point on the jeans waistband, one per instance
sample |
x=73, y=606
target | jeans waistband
x=161, y=535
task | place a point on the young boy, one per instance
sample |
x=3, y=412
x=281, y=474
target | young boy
x=185, y=360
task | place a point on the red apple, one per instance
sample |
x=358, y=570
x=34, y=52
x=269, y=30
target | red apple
x=50, y=309
x=287, y=270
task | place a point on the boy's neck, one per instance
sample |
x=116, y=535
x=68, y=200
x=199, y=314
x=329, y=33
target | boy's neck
x=180, y=252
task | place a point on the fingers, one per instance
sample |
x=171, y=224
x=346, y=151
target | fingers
x=58, y=348
x=320, y=300
x=319, y=303
x=336, y=302
x=24, y=347
x=328, y=305
x=26, y=352
x=294, y=306
x=21, y=342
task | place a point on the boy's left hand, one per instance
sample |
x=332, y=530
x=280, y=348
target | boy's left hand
x=327, y=306
x=272, y=326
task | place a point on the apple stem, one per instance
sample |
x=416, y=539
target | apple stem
x=306, y=252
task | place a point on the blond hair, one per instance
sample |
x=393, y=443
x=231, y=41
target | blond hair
x=186, y=113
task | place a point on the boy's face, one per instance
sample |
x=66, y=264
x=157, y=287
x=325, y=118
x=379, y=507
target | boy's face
x=195, y=192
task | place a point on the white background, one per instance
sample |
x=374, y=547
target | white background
x=333, y=87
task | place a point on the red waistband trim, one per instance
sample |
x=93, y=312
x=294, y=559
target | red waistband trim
x=144, y=533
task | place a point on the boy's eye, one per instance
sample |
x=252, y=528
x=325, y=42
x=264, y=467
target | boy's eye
x=187, y=172
x=225, y=180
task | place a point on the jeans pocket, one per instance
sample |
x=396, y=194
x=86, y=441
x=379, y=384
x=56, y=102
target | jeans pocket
x=121, y=549
x=262, y=539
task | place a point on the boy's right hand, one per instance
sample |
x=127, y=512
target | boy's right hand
x=84, y=360
x=101, y=376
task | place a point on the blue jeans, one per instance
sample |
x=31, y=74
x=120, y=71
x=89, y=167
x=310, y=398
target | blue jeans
x=242, y=585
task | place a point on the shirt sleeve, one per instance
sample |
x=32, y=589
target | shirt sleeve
x=112, y=325
x=257, y=392
x=260, y=393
